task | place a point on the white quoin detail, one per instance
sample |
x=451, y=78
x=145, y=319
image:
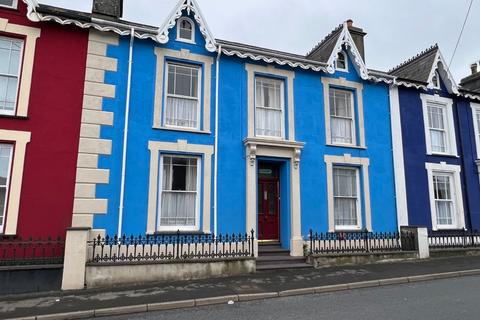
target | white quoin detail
x=189, y=6
x=345, y=39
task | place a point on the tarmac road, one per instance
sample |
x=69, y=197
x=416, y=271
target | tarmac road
x=450, y=299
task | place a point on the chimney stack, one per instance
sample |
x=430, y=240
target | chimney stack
x=358, y=37
x=474, y=67
x=108, y=9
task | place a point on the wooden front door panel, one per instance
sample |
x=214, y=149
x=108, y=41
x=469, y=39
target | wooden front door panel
x=268, y=209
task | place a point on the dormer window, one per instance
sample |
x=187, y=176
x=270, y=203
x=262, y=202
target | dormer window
x=12, y=4
x=341, y=63
x=185, y=30
x=436, y=80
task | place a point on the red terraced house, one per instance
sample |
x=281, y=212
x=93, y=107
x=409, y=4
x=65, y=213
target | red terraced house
x=42, y=73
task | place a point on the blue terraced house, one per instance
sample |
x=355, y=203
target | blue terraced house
x=212, y=136
x=437, y=145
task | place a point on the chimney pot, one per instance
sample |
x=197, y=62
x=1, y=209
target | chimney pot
x=474, y=67
x=108, y=8
x=349, y=23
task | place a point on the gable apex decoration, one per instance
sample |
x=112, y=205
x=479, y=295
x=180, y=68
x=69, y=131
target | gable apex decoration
x=444, y=73
x=346, y=39
x=190, y=6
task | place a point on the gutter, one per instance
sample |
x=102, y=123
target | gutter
x=215, y=175
x=125, y=133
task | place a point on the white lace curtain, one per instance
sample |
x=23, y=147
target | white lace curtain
x=345, y=196
x=341, y=116
x=269, y=107
x=436, y=118
x=179, y=191
x=181, y=112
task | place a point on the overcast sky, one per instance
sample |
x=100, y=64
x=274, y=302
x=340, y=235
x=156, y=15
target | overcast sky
x=396, y=30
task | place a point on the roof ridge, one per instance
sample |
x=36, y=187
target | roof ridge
x=327, y=37
x=418, y=55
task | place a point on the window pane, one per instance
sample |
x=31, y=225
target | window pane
x=186, y=30
x=179, y=194
x=436, y=117
x=345, y=212
x=442, y=187
x=345, y=196
x=341, y=130
x=5, y=160
x=444, y=212
x=341, y=61
x=7, y=3
x=438, y=141
x=269, y=107
x=181, y=112
x=345, y=182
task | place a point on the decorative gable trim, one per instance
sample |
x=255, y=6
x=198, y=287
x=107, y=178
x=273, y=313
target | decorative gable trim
x=444, y=73
x=346, y=39
x=190, y=6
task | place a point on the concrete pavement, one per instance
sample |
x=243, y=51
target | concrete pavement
x=261, y=285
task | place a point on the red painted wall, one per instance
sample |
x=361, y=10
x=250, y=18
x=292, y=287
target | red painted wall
x=54, y=115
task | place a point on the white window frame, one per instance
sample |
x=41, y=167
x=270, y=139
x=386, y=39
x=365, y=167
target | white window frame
x=196, y=227
x=457, y=195
x=437, y=76
x=282, y=96
x=354, y=118
x=449, y=124
x=475, y=107
x=192, y=39
x=19, y=74
x=345, y=57
x=7, y=185
x=363, y=165
x=359, y=224
x=199, y=98
x=13, y=6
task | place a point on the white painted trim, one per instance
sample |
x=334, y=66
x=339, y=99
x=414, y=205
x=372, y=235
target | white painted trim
x=182, y=147
x=475, y=107
x=457, y=189
x=160, y=89
x=451, y=135
x=192, y=39
x=444, y=74
x=7, y=185
x=359, y=115
x=358, y=203
x=31, y=35
x=345, y=39
x=189, y=6
x=19, y=73
x=254, y=70
x=282, y=102
x=347, y=160
x=398, y=160
x=20, y=139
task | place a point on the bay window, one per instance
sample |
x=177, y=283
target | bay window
x=346, y=197
x=182, y=107
x=269, y=107
x=6, y=151
x=10, y=65
x=342, y=117
x=179, y=194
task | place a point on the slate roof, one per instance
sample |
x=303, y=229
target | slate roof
x=323, y=50
x=471, y=83
x=418, y=68
x=84, y=17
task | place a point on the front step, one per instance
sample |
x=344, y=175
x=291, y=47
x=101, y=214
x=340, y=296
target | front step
x=271, y=256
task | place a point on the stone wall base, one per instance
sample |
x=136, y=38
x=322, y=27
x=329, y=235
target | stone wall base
x=324, y=261
x=107, y=275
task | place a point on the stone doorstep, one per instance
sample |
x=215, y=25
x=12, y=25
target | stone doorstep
x=163, y=306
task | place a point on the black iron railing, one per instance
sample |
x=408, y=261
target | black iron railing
x=439, y=240
x=360, y=242
x=18, y=251
x=159, y=248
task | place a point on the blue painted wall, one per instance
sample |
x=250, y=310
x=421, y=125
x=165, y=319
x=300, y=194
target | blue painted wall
x=415, y=157
x=310, y=128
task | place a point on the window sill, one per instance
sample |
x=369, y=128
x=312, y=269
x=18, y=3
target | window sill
x=185, y=41
x=349, y=146
x=12, y=116
x=182, y=130
x=348, y=229
x=446, y=155
x=184, y=232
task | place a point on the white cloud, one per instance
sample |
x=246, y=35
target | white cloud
x=396, y=30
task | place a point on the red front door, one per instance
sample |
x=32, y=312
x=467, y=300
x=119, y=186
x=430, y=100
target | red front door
x=268, y=208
